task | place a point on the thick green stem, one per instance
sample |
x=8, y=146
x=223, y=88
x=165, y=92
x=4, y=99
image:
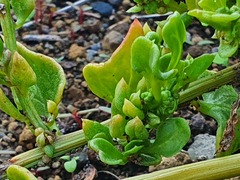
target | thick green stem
x=203, y=85
x=7, y=26
x=219, y=168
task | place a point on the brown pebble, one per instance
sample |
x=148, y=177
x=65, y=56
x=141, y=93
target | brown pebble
x=5, y=122
x=57, y=178
x=76, y=51
x=12, y=126
x=19, y=149
x=29, y=146
x=26, y=136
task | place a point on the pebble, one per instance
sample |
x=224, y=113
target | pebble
x=90, y=54
x=203, y=147
x=115, y=2
x=19, y=149
x=12, y=126
x=112, y=40
x=26, y=136
x=76, y=51
x=103, y=8
x=56, y=165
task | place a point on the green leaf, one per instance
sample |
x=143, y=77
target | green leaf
x=21, y=73
x=212, y=5
x=136, y=130
x=172, y=135
x=227, y=49
x=70, y=166
x=117, y=126
x=174, y=35
x=221, y=60
x=107, y=152
x=50, y=79
x=7, y=107
x=15, y=172
x=102, y=78
x=92, y=128
x=217, y=104
x=22, y=10
x=149, y=159
x=121, y=92
x=219, y=21
x=135, y=9
x=197, y=66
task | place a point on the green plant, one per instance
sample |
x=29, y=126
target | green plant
x=36, y=81
x=71, y=163
x=145, y=80
x=143, y=96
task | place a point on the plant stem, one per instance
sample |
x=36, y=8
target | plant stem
x=8, y=26
x=62, y=145
x=219, y=168
x=216, y=80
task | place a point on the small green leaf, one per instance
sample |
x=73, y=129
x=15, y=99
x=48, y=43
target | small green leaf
x=15, y=172
x=70, y=166
x=66, y=158
x=221, y=60
x=197, y=66
x=130, y=110
x=136, y=130
x=227, y=49
x=49, y=150
x=92, y=128
x=117, y=126
x=21, y=74
x=135, y=9
x=7, y=107
x=174, y=35
x=121, y=92
x=22, y=10
x=212, y=5
x=107, y=152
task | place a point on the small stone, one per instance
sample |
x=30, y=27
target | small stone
x=105, y=9
x=26, y=136
x=91, y=54
x=29, y=146
x=76, y=51
x=196, y=39
x=5, y=122
x=112, y=40
x=59, y=24
x=12, y=126
x=56, y=165
x=57, y=177
x=19, y=149
x=203, y=147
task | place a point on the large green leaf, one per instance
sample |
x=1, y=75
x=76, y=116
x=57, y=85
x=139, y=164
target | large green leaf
x=102, y=78
x=15, y=172
x=50, y=79
x=172, y=135
x=217, y=104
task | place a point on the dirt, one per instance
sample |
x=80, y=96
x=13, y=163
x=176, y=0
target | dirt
x=79, y=37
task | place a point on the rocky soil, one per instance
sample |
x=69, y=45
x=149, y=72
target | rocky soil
x=90, y=33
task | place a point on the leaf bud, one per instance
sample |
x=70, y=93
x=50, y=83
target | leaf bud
x=49, y=150
x=130, y=110
x=135, y=99
x=38, y=131
x=117, y=126
x=41, y=140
